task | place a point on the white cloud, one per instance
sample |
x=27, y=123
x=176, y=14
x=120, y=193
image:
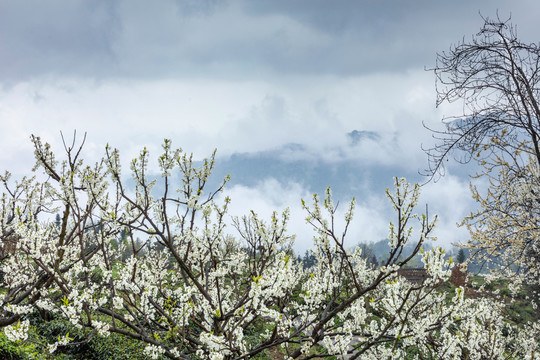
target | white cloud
x=369, y=224
x=232, y=116
x=449, y=198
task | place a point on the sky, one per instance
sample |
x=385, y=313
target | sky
x=281, y=82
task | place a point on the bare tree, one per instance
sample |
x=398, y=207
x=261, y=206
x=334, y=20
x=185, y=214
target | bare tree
x=496, y=77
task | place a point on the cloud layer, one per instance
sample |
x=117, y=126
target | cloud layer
x=255, y=78
x=233, y=39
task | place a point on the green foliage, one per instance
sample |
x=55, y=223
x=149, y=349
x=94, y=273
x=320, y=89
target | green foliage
x=9, y=350
x=113, y=347
x=19, y=350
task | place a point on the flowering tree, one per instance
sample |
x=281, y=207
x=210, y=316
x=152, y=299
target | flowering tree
x=506, y=228
x=495, y=76
x=191, y=290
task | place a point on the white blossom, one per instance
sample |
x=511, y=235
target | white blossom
x=17, y=332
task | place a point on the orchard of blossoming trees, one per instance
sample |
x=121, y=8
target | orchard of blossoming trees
x=191, y=290
x=154, y=260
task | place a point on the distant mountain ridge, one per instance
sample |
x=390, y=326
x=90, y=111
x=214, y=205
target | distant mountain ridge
x=293, y=163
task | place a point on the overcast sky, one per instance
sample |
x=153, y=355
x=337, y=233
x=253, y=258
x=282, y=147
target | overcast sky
x=243, y=77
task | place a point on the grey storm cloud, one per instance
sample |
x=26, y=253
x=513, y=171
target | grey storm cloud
x=230, y=39
x=68, y=38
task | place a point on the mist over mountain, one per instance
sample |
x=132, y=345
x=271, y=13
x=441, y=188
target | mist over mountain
x=347, y=176
x=294, y=163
